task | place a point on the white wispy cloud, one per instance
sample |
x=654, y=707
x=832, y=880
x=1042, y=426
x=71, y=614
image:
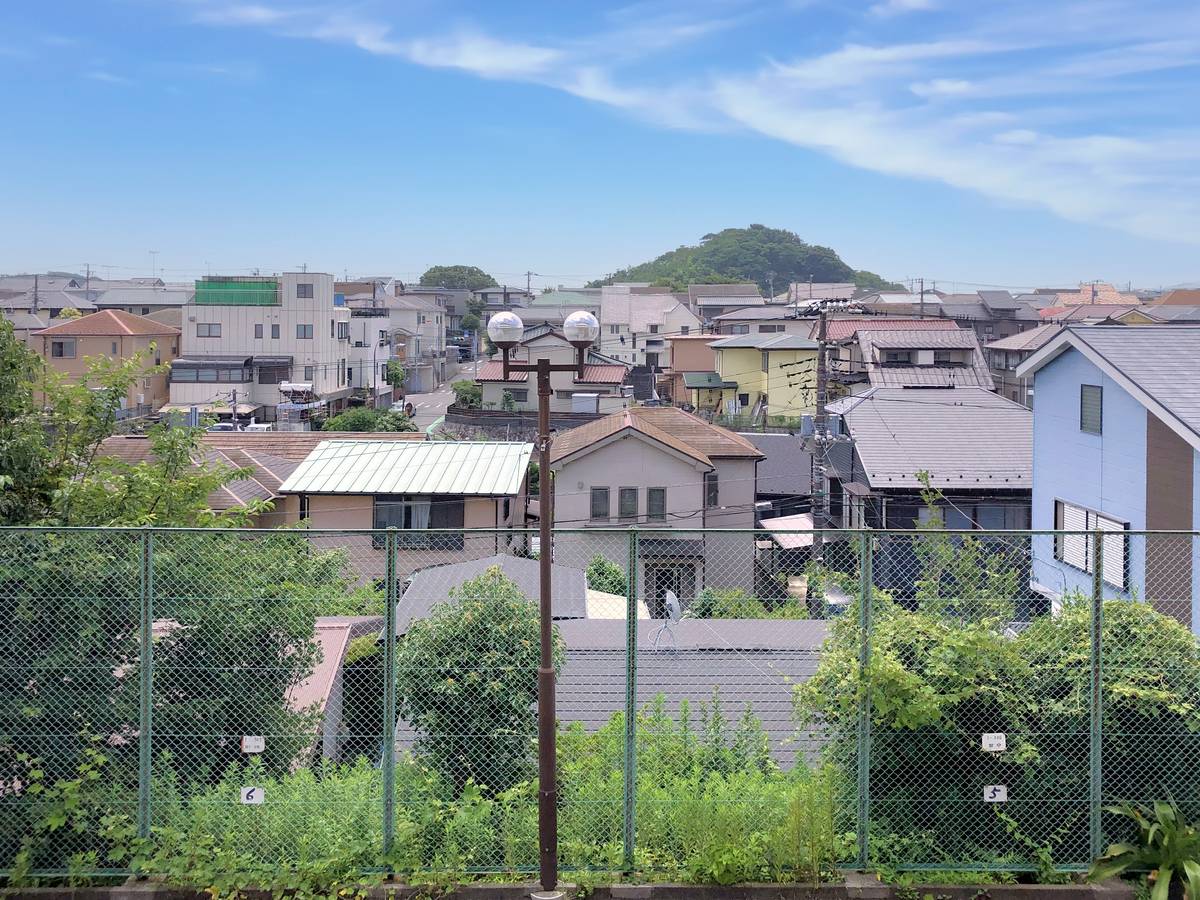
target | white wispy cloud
x=103, y=75
x=1013, y=105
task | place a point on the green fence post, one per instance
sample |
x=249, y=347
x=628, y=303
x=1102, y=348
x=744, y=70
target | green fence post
x=631, y=623
x=389, y=699
x=1095, y=750
x=865, y=583
x=146, y=685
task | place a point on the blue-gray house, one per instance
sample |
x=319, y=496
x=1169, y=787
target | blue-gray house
x=1116, y=447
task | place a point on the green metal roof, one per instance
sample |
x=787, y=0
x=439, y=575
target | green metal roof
x=709, y=380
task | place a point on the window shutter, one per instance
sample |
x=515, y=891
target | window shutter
x=1091, y=408
x=1075, y=546
x=1113, y=549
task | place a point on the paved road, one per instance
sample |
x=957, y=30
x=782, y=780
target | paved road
x=430, y=406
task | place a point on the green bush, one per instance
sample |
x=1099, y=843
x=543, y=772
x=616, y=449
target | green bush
x=605, y=575
x=735, y=603
x=467, y=394
x=467, y=682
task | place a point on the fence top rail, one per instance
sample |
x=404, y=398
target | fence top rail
x=643, y=530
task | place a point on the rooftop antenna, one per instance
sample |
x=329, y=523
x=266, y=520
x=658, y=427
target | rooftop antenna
x=674, y=614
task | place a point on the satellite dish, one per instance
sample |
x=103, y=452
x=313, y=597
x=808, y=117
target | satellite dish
x=674, y=610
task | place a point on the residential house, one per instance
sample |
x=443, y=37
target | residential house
x=710, y=300
x=802, y=294
x=973, y=445
x=597, y=391
x=773, y=319
x=1005, y=356
x=374, y=342
x=25, y=324
x=775, y=376
x=659, y=468
x=429, y=490
x=636, y=320
x=234, y=450
x=1116, y=448
x=554, y=306
x=992, y=314
x=46, y=302
x=784, y=486
x=452, y=302
x=276, y=345
x=845, y=354
x=1085, y=313
x=1095, y=292
x=921, y=358
x=69, y=346
x=692, y=377
x=502, y=297
x=1179, y=297
x=434, y=585
x=1154, y=314
x=144, y=297
x=416, y=328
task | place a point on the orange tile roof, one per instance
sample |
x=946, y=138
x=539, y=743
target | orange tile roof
x=679, y=430
x=107, y=322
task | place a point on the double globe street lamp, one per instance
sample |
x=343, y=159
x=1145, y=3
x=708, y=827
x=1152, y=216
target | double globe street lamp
x=506, y=330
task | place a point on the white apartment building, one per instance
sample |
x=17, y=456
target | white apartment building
x=278, y=344
x=416, y=328
x=635, y=321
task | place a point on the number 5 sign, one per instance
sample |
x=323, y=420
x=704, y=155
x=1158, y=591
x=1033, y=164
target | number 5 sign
x=995, y=793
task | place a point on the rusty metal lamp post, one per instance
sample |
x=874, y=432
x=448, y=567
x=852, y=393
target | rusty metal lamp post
x=506, y=330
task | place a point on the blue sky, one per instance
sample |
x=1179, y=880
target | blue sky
x=1011, y=142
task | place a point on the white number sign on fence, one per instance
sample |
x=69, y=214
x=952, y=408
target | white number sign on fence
x=995, y=793
x=253, y=796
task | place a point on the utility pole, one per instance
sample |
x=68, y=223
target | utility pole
x=922, y=301
x=771, y=285
x=528, y=282
x=233, y=410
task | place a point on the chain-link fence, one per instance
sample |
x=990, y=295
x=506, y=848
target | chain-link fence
x=730, y=703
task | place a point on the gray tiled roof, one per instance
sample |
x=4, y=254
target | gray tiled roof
x=967, y=438
x=1029, y=340
x=787, y=468
x=432, y=585
x=1162, y=360
x=757, y=312
x=974, y=374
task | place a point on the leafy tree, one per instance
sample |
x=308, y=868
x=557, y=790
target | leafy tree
x=395, y=374
x=508, y=403
x=363, y=418
x=605, y=575
x=69, y=312
x=467, y=678
x=746, y=254
x=467, y=394
x=27, y=479
x=467, y=278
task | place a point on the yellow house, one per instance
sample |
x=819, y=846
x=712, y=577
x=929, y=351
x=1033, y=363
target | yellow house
x=775, y=375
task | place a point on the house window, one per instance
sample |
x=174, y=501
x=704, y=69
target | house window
x=712, y=492
x=766, y=360
x=275, y=331
x=1076, y=550
x=743, y=400
x=309, y=372
x=656, y=504
x=897, y=357
x=274, y=374
x=383, y=372
x=304, y=506
x=304, y=332
x=520, y=395
x=599, y=504
x=627, y=502
x=1091, y=408
x=684, y=329
x=304, y=291
x=343, y=331
x=416, y=514
x=614, y=329
x=258, y=331
x=739, y=329
x=331, y=329
x=62, y=349
x=654, y=329
x=652, y=360
x=114, y=348
x=145, y=310
x=208, y=329
x=770, y=329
